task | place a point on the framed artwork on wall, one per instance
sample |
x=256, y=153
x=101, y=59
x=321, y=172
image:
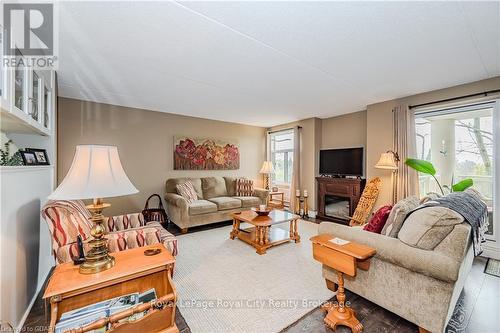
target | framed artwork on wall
x=205, y=154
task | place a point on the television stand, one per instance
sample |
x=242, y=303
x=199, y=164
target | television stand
x=338, y=197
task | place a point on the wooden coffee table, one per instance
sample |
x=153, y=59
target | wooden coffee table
x=261, y=235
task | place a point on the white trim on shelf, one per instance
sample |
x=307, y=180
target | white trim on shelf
x=25, y=168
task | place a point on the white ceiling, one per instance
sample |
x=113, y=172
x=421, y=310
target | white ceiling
x=267, y=63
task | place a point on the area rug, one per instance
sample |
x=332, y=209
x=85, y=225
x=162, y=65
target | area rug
x=223, y=285
x=492, y=267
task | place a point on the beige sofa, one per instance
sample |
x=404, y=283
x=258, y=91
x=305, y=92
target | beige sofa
x=421, y=286
x=216, y=201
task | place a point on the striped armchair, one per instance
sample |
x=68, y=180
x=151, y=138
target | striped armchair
x=67, y=219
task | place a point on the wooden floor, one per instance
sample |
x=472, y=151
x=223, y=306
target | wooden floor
x=477, y=310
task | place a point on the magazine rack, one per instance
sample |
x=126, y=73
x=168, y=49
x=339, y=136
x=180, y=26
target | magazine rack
x=133, y=272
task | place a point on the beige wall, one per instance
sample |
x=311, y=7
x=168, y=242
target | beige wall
x=145, y=143
x=344, y=131
x=336, y=132
x=371, y=128
x=379, y=125
x=145, y=137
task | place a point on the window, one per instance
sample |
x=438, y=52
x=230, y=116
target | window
x=460, y=144
x=281, y=147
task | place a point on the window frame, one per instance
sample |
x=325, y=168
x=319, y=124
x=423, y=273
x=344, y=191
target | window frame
x=286, y=167
x=471, y=106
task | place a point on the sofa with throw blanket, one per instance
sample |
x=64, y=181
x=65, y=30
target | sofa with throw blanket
x=424, y=255
x=215, y=198
x=67, y=219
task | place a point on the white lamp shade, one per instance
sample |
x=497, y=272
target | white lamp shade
x=267, y=167
x=96, y=172
x=387, y=161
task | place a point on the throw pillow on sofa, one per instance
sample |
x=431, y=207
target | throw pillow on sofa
x=398, y=215
x=378, y=220
x=425, y=228
x=187, y=191
x=244, y=187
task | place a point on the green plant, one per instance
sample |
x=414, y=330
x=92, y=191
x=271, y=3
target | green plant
x=427, y=168
x=6, y=159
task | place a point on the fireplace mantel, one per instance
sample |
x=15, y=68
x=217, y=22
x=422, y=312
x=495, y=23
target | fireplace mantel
x=347, y=188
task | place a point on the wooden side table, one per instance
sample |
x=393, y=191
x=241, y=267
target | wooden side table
x=278, y=203
x=344, y=259
x=133, y=272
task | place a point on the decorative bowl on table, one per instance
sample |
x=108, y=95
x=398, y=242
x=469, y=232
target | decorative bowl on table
x=262, y=212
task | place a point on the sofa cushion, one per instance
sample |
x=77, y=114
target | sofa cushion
x=224, y=203
x=171, y=185
x=199, y=207
x=398, y=214
x=249, y=201
x=213, y=187
x=425, y=228
x=230, y=186
x=378, y=220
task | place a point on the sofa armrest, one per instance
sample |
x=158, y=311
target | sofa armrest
x=176, y=200
x=177, y=210
x=431, y=263
x=262, y=194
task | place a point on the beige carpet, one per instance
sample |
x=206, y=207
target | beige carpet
x=224, y=286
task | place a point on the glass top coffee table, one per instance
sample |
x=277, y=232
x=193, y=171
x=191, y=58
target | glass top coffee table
x=261, y=235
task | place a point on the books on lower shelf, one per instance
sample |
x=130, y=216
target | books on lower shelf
x=93, y=312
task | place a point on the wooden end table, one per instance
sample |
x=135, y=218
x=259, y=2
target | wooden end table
x=133, y=272
x=278, y=202
x=261, y=236
x=344, y=259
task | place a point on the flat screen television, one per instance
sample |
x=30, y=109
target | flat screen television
x=341, y=162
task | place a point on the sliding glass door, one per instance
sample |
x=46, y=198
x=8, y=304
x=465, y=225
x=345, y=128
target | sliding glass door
x=461, y=143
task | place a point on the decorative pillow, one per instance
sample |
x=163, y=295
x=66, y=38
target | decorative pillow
x=187, y=191
x=378, y=220
x=244, y=187
x=425, y=228
x=398, y=214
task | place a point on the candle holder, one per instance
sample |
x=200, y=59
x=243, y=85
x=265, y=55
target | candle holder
x=301, y=205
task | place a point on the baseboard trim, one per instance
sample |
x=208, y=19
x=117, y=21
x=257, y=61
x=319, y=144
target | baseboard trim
x=32, y=302
x=491, y=252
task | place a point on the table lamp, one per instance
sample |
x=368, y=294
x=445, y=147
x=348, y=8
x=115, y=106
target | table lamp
x=266, y=170
x=95, y=173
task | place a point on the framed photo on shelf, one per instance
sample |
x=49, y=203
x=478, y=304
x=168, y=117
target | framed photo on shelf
x=29, y=157
x=40, y=155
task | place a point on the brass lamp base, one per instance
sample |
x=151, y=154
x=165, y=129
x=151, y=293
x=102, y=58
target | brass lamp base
x=266, y=181
x=97, y=259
